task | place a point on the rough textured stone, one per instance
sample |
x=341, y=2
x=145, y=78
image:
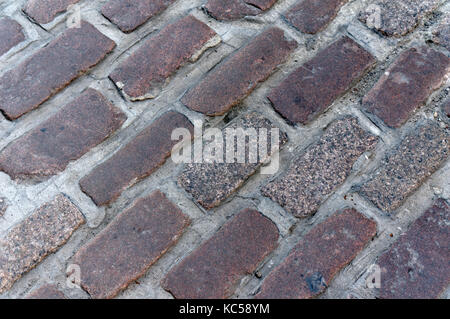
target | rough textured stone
x=313, y=16
x=416, y=265
x=407, y=84
x=145, y=72
x=11, y=34
x=447, y=107
x=442, y=34
x=313, y=87
x=324, y=166
x=46, y=292
x=215, y=268
x=319, y=256
x=128, y=15
x=237, y=9
x=418, y=156
x=44, y=11
x=66, y=136
x=129, y=245
x=232, y=81
x=396, y=18
x=39, y=235
x=52, y=68
x=135, y=161
x=212, y=183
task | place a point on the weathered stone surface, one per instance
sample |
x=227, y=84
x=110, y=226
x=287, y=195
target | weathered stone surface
x=442, y=34
x=36, y=237
x=417, y=157
x=416, y=265
x=319, y=256
x=232, y=81
x=144, y=73
x=447, y=107
x=396, y=18
x=135, y=161
x=212, y=182
x=52, y=68
x=237, y=9
x=128, y=15
x=11, y=34
x=46, y=292
x=324, y=167
x=313, y=87
x=66, y=136
x=407, y=84
x=313, y=16
x=44, y=11
x=215, y=268
x=129, y=245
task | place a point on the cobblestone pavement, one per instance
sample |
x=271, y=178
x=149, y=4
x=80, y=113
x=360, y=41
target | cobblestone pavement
x=93, y=206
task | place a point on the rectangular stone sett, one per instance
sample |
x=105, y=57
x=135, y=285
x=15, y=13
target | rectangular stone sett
x=66, y=136
x=234, y=79
x=51, y=69
x=214, y=269
x=144, y=73
x=325, y=166
x=44, y=11
x=237, y=9
x=11, y=34
x=312, y=88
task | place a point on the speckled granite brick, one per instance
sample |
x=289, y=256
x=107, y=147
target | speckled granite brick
x=319, y=256
x=418, y=156
x=44, y=11
x=144, y=73
x=214, y=269
x=51, y=69
x=237, y=9
x=313, y=16
x=212, y=183
x=442, y=34
x=406, y=85
x=66, y=136
x=36, y=237
x=324, y=167
x=416, y=266
x=396, y=18
x=128, y=15
x=46, y=292
x=235, y=78
x=129, y=245
x=11, y=34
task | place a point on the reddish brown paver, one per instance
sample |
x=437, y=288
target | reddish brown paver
x=396, y=18
x=316, y=174
x=135, y=161
x=313, y=16
x=129, y=245
x=44, y=11
x=212, y=183
x=313, y=87
x=11, y=34
x=46, y=292
x=237, y=9
x=319, y=256
x=128, y=15
x=442, y=34
x=419, y=155
x=52, y=68
x=144, y=73
x=233, y=80
x=66, y=136
x=215, y=268
x=416, y=265
x=36, y=237
x=407, y=84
